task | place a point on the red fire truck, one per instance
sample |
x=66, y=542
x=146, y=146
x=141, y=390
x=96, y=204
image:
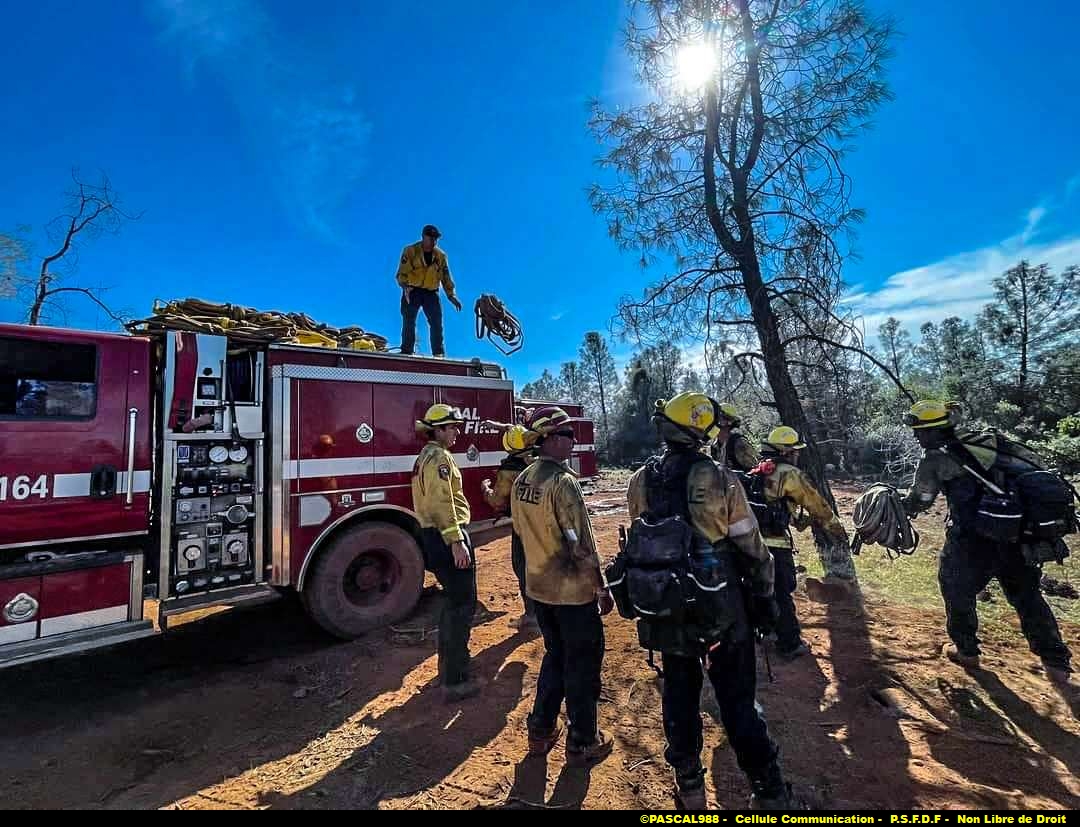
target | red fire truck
x=200, y=471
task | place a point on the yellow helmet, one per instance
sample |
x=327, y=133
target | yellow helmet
x=517, y=438
x=730, y=414
x=693, y=412
x=439, y=414
x=928, y=413
x=784, y=438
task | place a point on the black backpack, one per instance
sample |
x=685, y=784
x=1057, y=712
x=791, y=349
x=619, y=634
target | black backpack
x=665, y=570
x=773, y=517
x=1021, y=502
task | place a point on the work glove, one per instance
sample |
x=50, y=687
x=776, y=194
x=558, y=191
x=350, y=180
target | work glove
x=764, y=614
x=604, y=601
x=454, y=301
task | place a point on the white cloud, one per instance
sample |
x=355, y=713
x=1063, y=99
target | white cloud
x=958, y=285
x=1034, y=216
x=558, y=316
x=304, y=123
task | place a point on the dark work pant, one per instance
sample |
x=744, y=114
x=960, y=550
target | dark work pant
x=459, y=603
x=733, y=674
x=967, y=564
x=788, y=632
x=517, y=560
x=573, y=654
x=428, y=301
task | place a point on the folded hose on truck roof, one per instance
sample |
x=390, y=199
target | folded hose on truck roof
x=248, y=324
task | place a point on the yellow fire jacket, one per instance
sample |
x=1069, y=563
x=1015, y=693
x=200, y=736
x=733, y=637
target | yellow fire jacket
x=413, y=272
x=718, y=511
x=744, y=455
x=438, y=499
x=498, y=495
x=788, y=482
x=562, y=567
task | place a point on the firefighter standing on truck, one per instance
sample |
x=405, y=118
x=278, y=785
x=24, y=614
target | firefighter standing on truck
x=785, y=485
x=968, y=561
x=731, y=448
x=518, y=442
x=734, y=573
x=422, y=269
x=443, y=512
x=563, y=579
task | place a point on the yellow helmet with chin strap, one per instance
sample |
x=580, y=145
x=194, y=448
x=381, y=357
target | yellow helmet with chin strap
x=694, y=413
x=438, y=415
x=784, y=438
x=928, y=413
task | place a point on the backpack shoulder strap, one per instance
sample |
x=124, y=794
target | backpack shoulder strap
x=958, y=450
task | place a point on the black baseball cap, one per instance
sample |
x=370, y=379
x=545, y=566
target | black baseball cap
x=431, y=230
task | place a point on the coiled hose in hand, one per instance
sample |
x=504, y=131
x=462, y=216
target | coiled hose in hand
x=880, y=518
x=494, y=320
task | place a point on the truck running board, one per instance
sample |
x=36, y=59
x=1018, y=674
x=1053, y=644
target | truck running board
x=236, y=596
x=72, y=642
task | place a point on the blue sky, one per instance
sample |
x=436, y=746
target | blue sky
x=281, y=154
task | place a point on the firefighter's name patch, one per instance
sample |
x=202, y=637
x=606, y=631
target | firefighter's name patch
x=444, y=472
x=527, y=493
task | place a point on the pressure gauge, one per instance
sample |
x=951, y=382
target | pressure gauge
x=185, y=507
x=235, y=548
x=219, y=453
x=192, y=553
x=238, y=454
x=236, y=514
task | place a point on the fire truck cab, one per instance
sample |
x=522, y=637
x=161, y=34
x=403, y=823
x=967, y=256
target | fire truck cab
x=197, y=470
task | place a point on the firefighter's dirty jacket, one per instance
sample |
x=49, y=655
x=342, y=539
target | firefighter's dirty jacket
x=736, y=453
x=718, y=511
x=414, y=272
x=562, y=567
x=438, y=499
x=498, y=496
x=788, y=482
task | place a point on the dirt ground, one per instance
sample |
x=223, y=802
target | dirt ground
x=256, y=708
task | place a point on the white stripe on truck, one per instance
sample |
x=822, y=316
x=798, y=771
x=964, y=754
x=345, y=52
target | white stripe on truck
x=305, y=469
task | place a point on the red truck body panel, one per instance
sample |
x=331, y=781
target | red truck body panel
x=330, y=441
x=55, y=455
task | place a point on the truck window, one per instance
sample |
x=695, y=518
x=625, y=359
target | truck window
x=47, y=380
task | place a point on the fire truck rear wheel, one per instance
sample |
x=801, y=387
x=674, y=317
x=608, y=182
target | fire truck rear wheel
x=366, y=577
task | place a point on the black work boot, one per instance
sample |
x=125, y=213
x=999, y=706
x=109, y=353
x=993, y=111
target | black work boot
x=769, y=790
x=691, y=800
x=690, y=791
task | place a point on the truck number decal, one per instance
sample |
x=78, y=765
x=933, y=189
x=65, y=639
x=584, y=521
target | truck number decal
x=21, y=488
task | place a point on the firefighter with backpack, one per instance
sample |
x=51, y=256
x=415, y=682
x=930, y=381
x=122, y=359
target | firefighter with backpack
x=518, y=442
x=1007, y=516
x=731, y=448
x=694, y=573
x=773, y=487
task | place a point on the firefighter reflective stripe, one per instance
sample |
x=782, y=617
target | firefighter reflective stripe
x=349, y=466
x=78, y=485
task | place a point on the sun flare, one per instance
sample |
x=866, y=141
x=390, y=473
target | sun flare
x=694, y=65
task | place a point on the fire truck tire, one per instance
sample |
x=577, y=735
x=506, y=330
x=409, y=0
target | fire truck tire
x=366, y=577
